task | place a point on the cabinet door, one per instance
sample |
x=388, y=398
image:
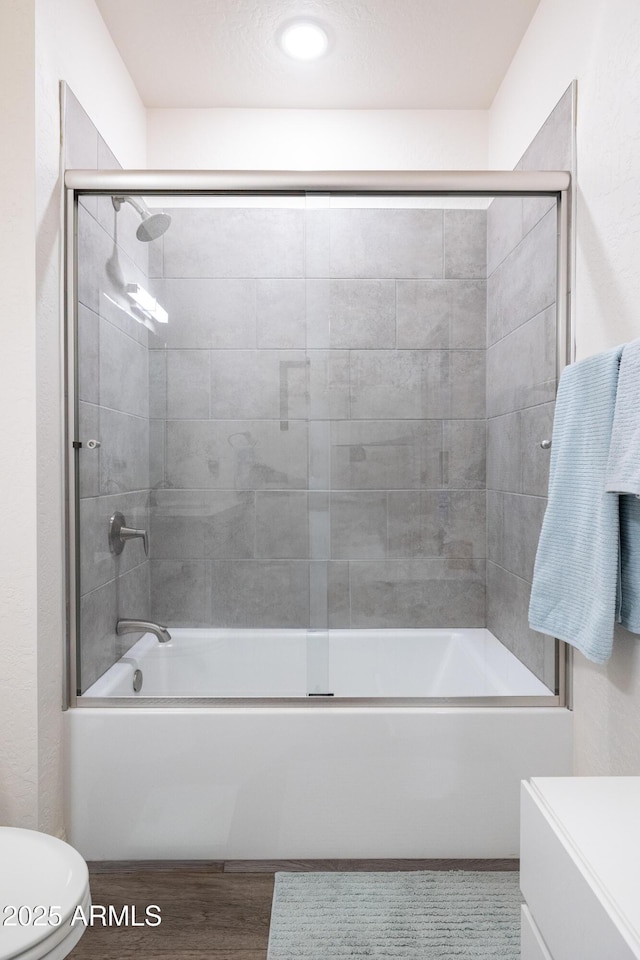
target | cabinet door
x=532, y=946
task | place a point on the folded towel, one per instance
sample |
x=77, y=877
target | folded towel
x=573, y=596
x=623, y=469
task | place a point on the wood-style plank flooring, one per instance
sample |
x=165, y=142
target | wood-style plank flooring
x=210, y=909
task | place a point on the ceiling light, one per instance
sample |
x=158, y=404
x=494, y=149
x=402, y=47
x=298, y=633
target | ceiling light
x=304, y=40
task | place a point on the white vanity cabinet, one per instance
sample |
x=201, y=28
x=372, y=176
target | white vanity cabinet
x=580, y=868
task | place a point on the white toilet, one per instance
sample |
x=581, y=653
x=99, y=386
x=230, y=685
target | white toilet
x=39, y=871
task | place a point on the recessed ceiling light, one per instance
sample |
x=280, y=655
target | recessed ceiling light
x=304, y=40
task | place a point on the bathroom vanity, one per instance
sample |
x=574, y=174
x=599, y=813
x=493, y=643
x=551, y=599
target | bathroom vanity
x=580, y=868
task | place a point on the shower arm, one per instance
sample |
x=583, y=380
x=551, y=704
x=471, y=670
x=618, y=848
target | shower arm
x=140, y=208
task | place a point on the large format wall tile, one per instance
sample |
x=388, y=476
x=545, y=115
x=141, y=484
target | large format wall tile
x=551, y=149
x=507, y=618
x=202, y=524
x=104, y=270
x=236, y=455
x=98, y=641
x=281, y=314
x=524, y=284
x=80, y=138
x=521, y=368
x=386, y=455
x=358, y=525
x=465, y=244
x=441, y=314
x=188, y=386
x=504, y=453
x=282, y=525
x=260, y=593
x=416, y=384
x=513, y=529
x=329, y=376
x=234, y=242
x=124, y=372
x=124, y=452
x=259, y=384
x=338, y=598
x=377, y=243
x=437, y=523
x=181, y=592
x=206, y=314
x=134, y=600
x=515, y=460
x=98, y=564
x=504, y=229
x=88, y=460
x=536, y=425
x=88, y=348
x=463, y=464
x=354, y=314
x=100, y=609
x=415, y=593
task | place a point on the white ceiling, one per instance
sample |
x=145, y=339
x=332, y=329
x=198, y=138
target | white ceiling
x=430, y=54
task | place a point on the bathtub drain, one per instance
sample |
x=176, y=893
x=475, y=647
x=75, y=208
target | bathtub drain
x=137, y=681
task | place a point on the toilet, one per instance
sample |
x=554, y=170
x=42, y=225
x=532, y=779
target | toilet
x=45, y=877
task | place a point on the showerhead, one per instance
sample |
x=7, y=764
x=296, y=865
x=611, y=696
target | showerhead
x=153, y=224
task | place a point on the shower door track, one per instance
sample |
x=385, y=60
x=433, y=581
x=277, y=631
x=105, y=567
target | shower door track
x=477, y=183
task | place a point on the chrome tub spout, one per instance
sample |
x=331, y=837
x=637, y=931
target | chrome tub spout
x=143, y=626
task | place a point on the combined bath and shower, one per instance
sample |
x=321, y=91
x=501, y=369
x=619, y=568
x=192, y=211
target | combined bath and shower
x=153, y=224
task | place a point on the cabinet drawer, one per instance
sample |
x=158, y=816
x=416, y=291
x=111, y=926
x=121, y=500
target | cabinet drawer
x=568, y=906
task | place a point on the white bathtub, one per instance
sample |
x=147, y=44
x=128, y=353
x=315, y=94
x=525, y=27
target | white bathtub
x=316, y=780
x=346, y=663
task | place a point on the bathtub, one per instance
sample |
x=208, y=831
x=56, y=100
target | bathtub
x=344, y=663
x=399, y=769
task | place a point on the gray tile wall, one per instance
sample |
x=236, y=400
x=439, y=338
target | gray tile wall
x=113, y=403
x=318, y=445
x=340, y=425
x=521, y=284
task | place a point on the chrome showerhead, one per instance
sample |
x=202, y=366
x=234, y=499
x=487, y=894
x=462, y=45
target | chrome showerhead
x=153, y=224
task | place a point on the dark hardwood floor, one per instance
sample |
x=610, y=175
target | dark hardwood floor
x=210, y=909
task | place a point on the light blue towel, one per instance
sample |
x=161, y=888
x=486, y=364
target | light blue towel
x=623, y=469
x=629, y=593
x=623, y=477
x=573, y=596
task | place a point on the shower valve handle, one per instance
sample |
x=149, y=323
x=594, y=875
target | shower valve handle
x=119, y=533
x=130, y=533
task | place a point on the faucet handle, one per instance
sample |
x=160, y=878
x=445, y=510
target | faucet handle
x=130, y=533
x=119, y=533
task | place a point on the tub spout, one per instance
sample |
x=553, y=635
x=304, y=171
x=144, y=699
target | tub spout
x=143, y=626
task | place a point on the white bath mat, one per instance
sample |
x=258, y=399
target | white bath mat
x=410, y=915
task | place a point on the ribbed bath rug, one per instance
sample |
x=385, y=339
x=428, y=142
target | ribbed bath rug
x=434, y=915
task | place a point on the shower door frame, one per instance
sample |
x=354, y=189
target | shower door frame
x=457, y=183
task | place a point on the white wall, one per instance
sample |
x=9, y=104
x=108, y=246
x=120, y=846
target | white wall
x=43, y=41
x=72, y=44
x=235, y=139
x=597, y=41
x=18, y=579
